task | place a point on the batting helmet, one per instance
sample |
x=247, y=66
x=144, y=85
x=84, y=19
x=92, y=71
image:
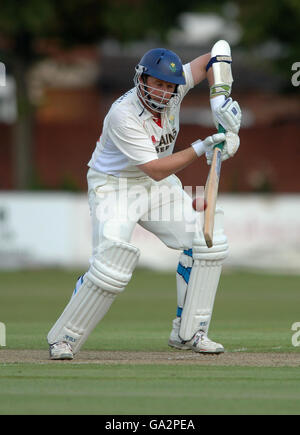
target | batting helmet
x=162, y=64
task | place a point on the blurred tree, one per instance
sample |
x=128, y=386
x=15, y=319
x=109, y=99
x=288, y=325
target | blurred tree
x=25, y=23
x=271, y=30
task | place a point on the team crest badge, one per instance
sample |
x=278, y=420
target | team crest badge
x=172, y=67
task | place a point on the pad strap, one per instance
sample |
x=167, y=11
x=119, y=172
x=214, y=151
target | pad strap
x=215, y=59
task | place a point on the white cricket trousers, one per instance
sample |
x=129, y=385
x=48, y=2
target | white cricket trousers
x=164, y=209
x=118, y=204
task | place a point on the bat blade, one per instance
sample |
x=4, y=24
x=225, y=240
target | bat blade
x=211, y=192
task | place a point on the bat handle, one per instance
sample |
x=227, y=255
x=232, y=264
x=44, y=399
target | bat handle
x=221, y=129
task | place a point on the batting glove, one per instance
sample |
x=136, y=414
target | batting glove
x=203, y=146
x=228, y=114
x=232, y=143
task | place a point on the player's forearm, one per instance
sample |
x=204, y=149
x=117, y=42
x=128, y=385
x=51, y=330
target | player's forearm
x=198, y=67
x=162, y=168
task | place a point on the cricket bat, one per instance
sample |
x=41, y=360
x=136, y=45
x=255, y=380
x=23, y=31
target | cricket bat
x=221, y=65
x=211, y=192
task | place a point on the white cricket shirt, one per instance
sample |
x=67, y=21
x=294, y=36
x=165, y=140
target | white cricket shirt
x=131, y=137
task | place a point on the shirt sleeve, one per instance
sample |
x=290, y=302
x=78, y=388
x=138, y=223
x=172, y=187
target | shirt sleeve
x=183, y=89
x=131, y=139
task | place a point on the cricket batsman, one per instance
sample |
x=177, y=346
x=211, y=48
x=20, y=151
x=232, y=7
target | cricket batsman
x=133, y=162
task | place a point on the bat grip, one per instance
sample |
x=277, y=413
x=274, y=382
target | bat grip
x=221, y=129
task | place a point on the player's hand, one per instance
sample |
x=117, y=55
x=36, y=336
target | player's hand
x=203, y=146
x=232, y=143
x=229, y=115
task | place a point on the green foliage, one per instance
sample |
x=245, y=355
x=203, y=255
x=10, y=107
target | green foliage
x=88, y=21
x=24, y=24
x=30, y=16
x=70, y=22
x=277, y=22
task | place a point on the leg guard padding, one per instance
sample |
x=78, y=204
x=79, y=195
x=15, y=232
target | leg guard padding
x=113, y=265
x=107, y=277
x=203, y=283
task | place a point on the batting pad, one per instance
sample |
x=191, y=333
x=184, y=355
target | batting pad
x=107, y=277
x=203, y=282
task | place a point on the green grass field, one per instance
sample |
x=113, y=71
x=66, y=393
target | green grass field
x=254, y=312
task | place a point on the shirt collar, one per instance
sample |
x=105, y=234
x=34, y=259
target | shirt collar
x=141, y=109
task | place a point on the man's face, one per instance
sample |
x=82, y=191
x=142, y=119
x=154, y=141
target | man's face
x=160, y=90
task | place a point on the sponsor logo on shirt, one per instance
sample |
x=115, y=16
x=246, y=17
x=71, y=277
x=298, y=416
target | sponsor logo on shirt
x=165, y=141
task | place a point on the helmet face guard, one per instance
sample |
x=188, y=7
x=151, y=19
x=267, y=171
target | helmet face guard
x=148, y=94
x=164, y=65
